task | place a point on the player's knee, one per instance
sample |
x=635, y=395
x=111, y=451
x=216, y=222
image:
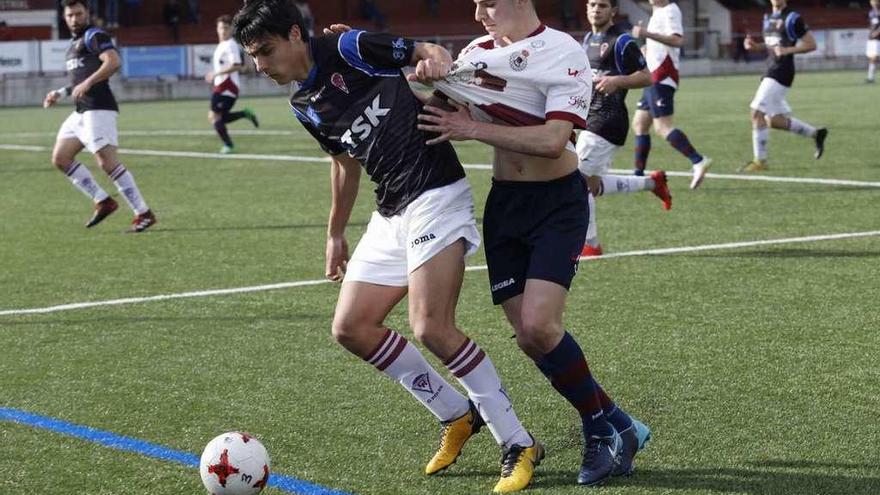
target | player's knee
x=537, y=335
x=60, y=162
x=346, y=331
x=429, y=329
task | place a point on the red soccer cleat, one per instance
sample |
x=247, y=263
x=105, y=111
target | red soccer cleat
x=661, y=189
x=142, y=222
x=590, y=251
x=103, y=209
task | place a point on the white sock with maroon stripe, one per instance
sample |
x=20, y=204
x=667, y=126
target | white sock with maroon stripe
x=592, y=229
x=616, y=184
x=129, y=190
x=82, y=178
x=477, y=374
x=400, y=360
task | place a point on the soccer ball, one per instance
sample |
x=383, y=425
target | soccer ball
x=234, y=463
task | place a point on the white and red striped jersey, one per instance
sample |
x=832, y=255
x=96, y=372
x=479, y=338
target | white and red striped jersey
x=226, y=55
x=663, y=60
x=545, y=76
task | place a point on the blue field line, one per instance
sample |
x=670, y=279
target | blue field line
x=128, y=444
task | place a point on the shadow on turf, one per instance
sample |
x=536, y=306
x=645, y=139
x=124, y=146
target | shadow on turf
x=767, y=478
x=793, y=253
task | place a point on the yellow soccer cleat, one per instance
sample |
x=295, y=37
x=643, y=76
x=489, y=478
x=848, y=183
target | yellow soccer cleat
x=518, y=466
x=754, y=166
x=453, y=436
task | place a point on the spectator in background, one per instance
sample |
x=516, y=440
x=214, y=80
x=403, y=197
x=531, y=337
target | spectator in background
x=370, y=11
x=132, y=12
x=568, y=14
x=171, y=14
x=306, y=12
x=111, y=13
x=193, y=11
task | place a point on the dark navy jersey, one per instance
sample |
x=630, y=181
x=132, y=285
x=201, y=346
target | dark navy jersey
x=783, y=29
x=874, y=24
x=83, y=61
x=612, y=53
x=357, y=101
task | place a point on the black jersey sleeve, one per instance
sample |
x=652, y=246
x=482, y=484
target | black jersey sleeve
x=329, y=147
x=795, y=26
x=377, y=54
x=97, y=41
x=628, y=55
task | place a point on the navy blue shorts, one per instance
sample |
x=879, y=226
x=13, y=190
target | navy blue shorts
x=221, y=103
x=659, y=99
x=534, y=230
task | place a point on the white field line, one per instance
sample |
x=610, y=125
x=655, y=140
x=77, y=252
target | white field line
x=302, y=283
x=169, y=132
x=471, y=166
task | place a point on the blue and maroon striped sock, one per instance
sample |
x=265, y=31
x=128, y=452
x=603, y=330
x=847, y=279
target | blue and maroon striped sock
x=680, y=141
x=643, y=148
x=567, y=369
x=615, y=415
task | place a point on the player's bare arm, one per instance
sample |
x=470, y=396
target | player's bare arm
x=753, y=45
x=234, y=68
x=345, y=174
x=109, y=65
x=547, y=140
x=641, y=32
x=611, y=84
x=806, y=44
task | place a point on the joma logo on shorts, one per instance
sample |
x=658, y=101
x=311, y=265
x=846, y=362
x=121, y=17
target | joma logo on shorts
x=501, y=285
x=422, y=239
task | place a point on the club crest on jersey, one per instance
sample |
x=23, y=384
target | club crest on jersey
x=519, y=60
x=422, y=383
x=602, y=49
x=337, y=80
x=399, y=46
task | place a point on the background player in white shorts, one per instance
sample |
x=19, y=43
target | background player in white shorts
x=617, y=65
x=664, y=37
x=91, y=60
x=872, y=51
x=785, y=34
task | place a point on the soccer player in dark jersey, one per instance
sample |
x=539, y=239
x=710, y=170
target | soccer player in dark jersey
x=353, y=99
x=872, y=50
x=91, y=60
x=785, y=34
x=618, y=65
x=225, y=82
x=664, y=38
x=534, y=85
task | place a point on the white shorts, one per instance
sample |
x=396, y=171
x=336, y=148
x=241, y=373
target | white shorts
x=770, y=98
x=873, y=48
x=394, y=247
x=93, y=128
x=595, y=154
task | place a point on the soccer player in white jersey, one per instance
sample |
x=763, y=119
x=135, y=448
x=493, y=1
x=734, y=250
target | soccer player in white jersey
x=785, y=34
x=523, y=89
x=91, y=60
x=873, y=48
x=227, y=64
x=665, y=36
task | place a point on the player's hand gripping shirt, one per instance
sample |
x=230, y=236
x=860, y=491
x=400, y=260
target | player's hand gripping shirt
x=83, y=60
x=663, y=60
x=612, y=53
x=783, y=29
x=226, y=55
x=357, y=101
x=545, y=76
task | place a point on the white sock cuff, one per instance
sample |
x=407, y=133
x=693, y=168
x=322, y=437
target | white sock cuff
x=465, y=359
x=387, y=351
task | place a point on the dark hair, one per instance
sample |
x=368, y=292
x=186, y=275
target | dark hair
x=613, y=3
x=71, y=3
x=225, y=19
x=261, y=18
